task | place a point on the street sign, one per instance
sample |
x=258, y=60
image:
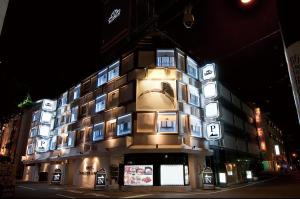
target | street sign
x=213, y=131
x=100, y=179
x=208, y=179
x=56, y=178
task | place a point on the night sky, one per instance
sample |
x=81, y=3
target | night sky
x=47, y=47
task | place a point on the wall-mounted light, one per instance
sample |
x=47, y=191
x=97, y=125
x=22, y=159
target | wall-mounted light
x=188, y=17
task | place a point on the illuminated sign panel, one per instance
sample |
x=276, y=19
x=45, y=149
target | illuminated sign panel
x=42, y=145
x=277, y=151
x=49, y=105
x=138, y=175
x=210, y=90
x=171, y=175
x=124, y=125
x=46, y=117
x=44, y=130
x=115, y=14
x=213, y=131
x=211, y=110
x=208, y=72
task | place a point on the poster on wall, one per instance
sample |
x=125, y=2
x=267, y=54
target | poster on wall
x=138, y=175
x=156, y=95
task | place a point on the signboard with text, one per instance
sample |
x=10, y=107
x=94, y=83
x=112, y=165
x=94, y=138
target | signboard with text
x=208, y=178
x=100, y=178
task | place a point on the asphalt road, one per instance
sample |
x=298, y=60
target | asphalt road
x=281, y=186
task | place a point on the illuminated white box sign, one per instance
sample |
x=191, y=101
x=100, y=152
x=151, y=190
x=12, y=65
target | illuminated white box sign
x=44, y=130
x=212, y=110
x=208, y=72
x=138, y=175
x=210, y=90
x=277, y=151
x=213, y=131
x=42, y=145
x=46, y=117
x=249, y=174
x=115, y=14
x=222, y=178
x=171, y=175
x=49, y=105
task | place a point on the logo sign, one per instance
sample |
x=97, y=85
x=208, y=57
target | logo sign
x=100, y=180
x=49, y=105
x=213, y=131
x=208, y=72
x=208, y=178
x=56, y=178
x=115, y=14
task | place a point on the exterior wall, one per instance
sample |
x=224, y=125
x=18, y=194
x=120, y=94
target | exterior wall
x=31, y=173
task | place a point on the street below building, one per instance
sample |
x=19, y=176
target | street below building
x=280, y=186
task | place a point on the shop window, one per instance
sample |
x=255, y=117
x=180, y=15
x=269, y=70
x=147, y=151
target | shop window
x=124, y=125
x=111, y=128
x=113, y=70
x=102, y=77
x=195, y=126
x=100, y=103
x=98, y=131
x=194, y=96
x=192, y=68
x=167, y=176
x=74, y=114
x=76, y=93
x=180, y=61
x=71, y=139
x=113, y=99
x=146, y=122
x=46, y=117
x=33, y=132
x=166, y=123
x=165, y=58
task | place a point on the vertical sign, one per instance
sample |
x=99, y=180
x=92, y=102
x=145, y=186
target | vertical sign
x=208, y=179
x=100, y=178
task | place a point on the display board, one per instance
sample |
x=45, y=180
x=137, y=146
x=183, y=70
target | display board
x=138, y=175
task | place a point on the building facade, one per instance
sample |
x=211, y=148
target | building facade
x=150, y=113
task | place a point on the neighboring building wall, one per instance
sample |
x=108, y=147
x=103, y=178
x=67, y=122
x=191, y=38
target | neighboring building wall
x=3, y=8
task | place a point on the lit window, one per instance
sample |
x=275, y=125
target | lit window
x=192, y=68
x=100, y=103
x=76, y=92
x=30, y=149
x=98, y=131
x=194, y=96
x=166, y=123
x=71, y=139
x=113, y=70
x=53, y=142
x=33, y=132
x=102, y=77
x=195, y=126
x=74, y=114
x=180, y=61
x=124, y=125
x=165, y=58
x=63, y=99
x=36, y=116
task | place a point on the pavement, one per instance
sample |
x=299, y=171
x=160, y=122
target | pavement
x=278, y=186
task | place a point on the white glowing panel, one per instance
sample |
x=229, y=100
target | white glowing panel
x=211, y=110
x=46, y=117
x=49, y=105
x=208, y=72
x=171, y=175
x=30, y=149
x=44, y=130
x=277, y=151
x=42, y=145
x=249, y=174
x=53, y=143
x=210, y=90
x=138, y=175
x=222, y=178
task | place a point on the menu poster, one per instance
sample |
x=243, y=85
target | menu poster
x=138, y=175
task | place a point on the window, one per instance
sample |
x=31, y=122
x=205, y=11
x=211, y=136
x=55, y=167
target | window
x=74, y=114
x=195, y=126
x=194, y=96
x=182, y=92
x=63, y=99
x=180, y=61
x=100, y=103
x=33, y=132
x=192, y=68
x=165, y=58
x=146, y=122
x=113, y=99
x=76, y=92
x=83, y=110
x=30, y=149
x=98, y=131
x=36, y=116
x=102, y=77
x=113, y=70
x=71, y=139
x=111, y=128
x=124, y=125
x=167, y=176
x=166, y=123
x=53, y=142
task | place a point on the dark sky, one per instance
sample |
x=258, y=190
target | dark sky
x=47, y=47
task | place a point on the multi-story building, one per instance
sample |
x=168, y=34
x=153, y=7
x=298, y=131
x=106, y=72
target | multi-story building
x=271, y=143
x=146, y=115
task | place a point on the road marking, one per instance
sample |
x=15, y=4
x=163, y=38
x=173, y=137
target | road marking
x=138, y=196
x=55, y=188
x=64, y=196
x=74, y=191
x=96, y=194
x=27, y=188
